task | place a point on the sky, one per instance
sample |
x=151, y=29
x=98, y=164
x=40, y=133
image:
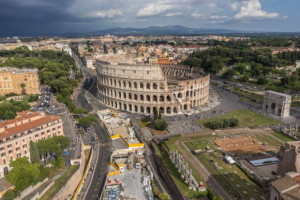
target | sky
x=40, y=17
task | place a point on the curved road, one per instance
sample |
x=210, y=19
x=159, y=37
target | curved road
x=104, y=146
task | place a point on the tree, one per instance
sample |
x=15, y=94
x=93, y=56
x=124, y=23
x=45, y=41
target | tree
x=159, y=115
x=22, y=85
x=80, y=110
x=87, y=121
x=59, y=163
x=262, y=80
x=23, y=173
x=9, y=195
x=34, y=153
x=229, y=74
x=155, y=112
x=160, y=124
x=163, y=196
x=61, y=141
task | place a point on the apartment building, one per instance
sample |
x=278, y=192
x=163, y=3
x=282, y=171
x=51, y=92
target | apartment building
x=16, y=134
x=20, y=81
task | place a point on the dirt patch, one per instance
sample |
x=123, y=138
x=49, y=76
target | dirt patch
x=241, y=145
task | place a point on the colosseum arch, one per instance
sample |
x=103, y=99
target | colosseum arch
x=134, y=84
x=175, y=110
x=169, y=98
x=148, y=98
x=162, y=110
x=154, y=98
x=154, y=86
x=148, y=110
x=168, y=110
x=141, y=109
x=142, y=85
x=161, y=98
x=142, y=97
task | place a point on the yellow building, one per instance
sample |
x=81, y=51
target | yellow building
x=19, y=81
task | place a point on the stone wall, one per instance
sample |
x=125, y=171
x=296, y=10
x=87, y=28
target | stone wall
x=67, y=191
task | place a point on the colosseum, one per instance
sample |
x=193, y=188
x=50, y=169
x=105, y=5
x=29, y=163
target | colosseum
x=139, y=88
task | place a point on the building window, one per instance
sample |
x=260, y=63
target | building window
x=25, y=152
x=18, y=149
x=10, y=151
x=2, y=154
x=36, y=135
x=1, y=148
x=4, y=161
x=9, y=146
x=25, y=145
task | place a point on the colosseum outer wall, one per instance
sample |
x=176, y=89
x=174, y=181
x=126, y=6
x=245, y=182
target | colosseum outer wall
x=138, y=88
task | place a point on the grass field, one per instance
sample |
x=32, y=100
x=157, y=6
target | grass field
x=246, y=118
x=252, y=96
x=282, y=137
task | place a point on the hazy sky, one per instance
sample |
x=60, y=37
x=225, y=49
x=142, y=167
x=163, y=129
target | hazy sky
x=32, y=17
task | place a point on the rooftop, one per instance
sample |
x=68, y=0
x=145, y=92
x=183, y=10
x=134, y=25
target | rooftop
x=43, y=119
x=17, y=70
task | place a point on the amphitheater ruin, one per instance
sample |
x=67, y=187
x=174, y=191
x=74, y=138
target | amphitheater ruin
x=139, y=88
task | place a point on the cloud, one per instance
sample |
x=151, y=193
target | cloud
x=198, y=15
x=251, y=9
x=105, y=13
x=174, y=14
x=154, y=9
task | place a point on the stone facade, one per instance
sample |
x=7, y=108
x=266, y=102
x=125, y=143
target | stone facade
x=277, y=104
x=19, y=81
x=16, y=134
x=289, y=158
x=139, y=88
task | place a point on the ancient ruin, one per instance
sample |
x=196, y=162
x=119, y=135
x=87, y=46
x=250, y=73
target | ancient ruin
x=277, y=104
x=289, y=158
x=139, y=88
x=186, y=173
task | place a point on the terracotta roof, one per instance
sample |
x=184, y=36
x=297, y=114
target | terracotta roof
x=12, y=121
x=29, y=125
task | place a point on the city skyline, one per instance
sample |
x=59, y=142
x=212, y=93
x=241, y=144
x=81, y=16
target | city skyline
x=36, y=17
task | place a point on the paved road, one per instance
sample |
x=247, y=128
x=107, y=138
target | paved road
x=103, y=147
x=101, y=166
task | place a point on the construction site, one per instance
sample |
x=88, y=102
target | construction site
x=129, y=176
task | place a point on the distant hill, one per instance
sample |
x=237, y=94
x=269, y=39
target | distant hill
x=162, y=30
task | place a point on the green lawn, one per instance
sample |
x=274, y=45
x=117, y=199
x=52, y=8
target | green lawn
x=142, y=124
x=246, y=118
x=282, y=137
x=59, y=183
